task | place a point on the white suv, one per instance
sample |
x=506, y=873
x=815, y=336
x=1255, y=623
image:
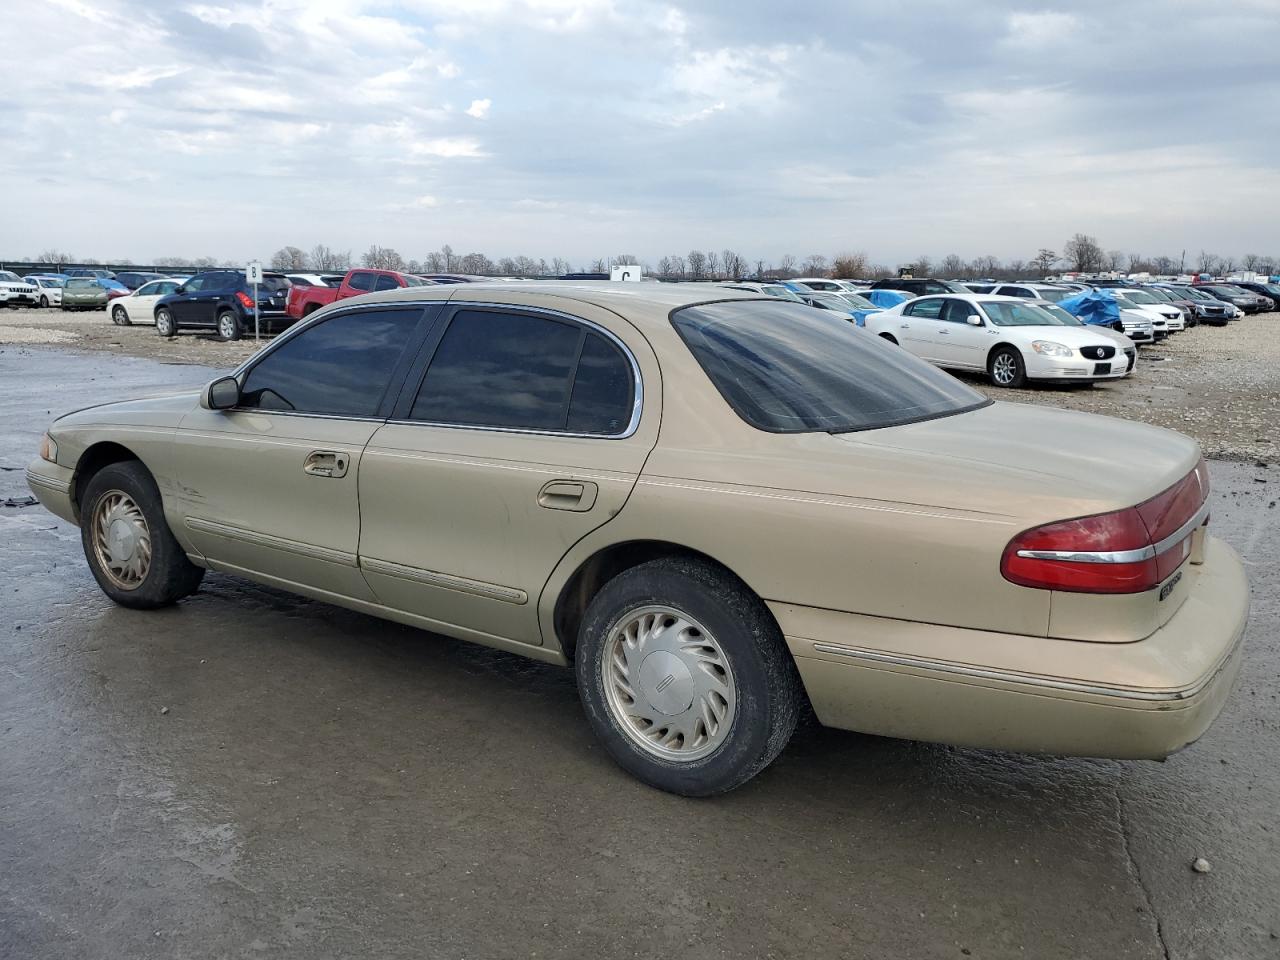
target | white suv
x=16, y=292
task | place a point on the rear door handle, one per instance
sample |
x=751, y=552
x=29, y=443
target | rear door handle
x=326, y=463
x=576, y=495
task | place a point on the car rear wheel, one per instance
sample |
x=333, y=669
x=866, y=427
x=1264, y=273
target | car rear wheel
x=228, y=326
x=130, y=549
x=120, y=318
x=165, y=325
x=685, y=677
x=1006, y=369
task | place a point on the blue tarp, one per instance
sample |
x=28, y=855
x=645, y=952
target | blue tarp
x=1097, y=307
x=884, y=298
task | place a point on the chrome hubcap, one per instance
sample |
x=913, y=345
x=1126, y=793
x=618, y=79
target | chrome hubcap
x=227, y=326
x=668, y=683
x=1003, y=369
x=121, y=540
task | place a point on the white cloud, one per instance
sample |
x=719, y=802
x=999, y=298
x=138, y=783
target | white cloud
x=1041, y=29
x=479, y=108
x=424, y=202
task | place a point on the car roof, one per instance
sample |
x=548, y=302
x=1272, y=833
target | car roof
x=639, y=302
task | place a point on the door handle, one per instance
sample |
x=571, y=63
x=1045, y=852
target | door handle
x=576, y=495
x=326, y=463
x=906, y=326
x=945, y=332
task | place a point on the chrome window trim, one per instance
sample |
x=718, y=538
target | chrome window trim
x=637, y=404
x=1124, y=556
x=637, y=401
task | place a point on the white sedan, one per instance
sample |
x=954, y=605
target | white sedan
x=1153, y=307
x=48, y=289
x=137, y=307
x=1008, y=338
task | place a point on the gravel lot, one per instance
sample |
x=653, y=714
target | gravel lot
x=1220, y=385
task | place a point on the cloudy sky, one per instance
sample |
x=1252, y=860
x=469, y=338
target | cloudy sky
x=582, y=129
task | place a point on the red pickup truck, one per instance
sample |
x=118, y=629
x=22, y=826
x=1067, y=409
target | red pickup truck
x=304, y=301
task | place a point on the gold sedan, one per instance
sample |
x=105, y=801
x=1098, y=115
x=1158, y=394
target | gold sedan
x=717, y=506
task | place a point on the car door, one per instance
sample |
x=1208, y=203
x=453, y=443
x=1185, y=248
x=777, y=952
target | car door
x=526, y=434
x=269, y=488
x=204, y=305
x=139, y=304
x=920, y=320
x=961, y=344
x=183, y=305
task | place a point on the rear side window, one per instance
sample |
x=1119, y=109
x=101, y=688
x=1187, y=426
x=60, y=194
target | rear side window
x=386, y=282
x=784, y=368
x=340, y=367
x=928, y=309
x=362, y=281
x=521, y=372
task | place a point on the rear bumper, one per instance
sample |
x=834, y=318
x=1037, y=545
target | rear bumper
x=1141, y=700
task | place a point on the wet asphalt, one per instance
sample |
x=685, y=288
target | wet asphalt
x=251, y=774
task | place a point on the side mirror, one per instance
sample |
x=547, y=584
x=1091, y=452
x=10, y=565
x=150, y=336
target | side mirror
x=974, y=320
x=222, y=394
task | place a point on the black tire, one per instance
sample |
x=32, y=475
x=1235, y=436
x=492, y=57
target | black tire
x=170, y=576
x=1005, y=367
x=228, y=326
x=166, y=326
x=769, y=696
x=44, y=301
x=120, y=318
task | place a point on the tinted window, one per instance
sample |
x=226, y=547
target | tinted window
x=341, y=366
x=929, y=309
x=602, y=398
x=785, y=369
x=501, y=370
x=957, y=311
x=385, y=282
x=1017, y=292
x=362, y=281
x=196, y=283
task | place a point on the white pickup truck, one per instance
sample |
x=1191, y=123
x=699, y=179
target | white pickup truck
x=16, y=292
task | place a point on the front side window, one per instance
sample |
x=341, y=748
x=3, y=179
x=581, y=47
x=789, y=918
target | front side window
x=929, y=309
x=957, y=311
x=786, y=369
x=521, y=372
x=151, y=289
x=196, y=284
x=386, y=282
x=1017, y=292
x=339, y=367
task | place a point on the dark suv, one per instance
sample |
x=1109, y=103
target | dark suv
x=222, y=301
x=920, y=286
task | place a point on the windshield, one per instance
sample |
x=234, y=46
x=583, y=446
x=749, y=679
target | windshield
x=8, y=277
x=1193, y=294
x=785, y=368
x=1066, y=319
x=1229, y=290
x=781, y=292
x=1007, y=314
x=858, y=301
x=1137, y=296
x=1160, y=294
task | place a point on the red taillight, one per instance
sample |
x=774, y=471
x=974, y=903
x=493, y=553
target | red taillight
x=1127, y=551
x=245, y=300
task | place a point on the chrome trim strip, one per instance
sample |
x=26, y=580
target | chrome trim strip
x=252, y=537
x=58, y=486
x=1124, y=556
x=446, y=581
x=1033, y=679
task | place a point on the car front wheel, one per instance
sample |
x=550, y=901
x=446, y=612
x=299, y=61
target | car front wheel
x=120, y=318
x=130, y=549
x=1006, y=369
x=165, y=325
x=685, y=677
x=44, y=301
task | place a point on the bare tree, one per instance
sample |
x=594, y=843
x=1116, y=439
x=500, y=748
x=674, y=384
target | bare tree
x=847, y=266
x=446, y=258
x=1017, y=269
x=324, y=259
x=787, y=266
x=951, y=266
x=292, y=259
x=815, y=265
x=923, y=265
x=988, y=266
x=1115, y=260
x=625, y=259
x=57, y=258
x=1207, y=262
x=735, y=266
x=1045, y=259
x=677, y=266
x=1084, y=253
x=181, y=262
x=382, y=258
x=697, y=264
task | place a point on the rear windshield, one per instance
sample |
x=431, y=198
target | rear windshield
x=788, y=368
x=1053, y=294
